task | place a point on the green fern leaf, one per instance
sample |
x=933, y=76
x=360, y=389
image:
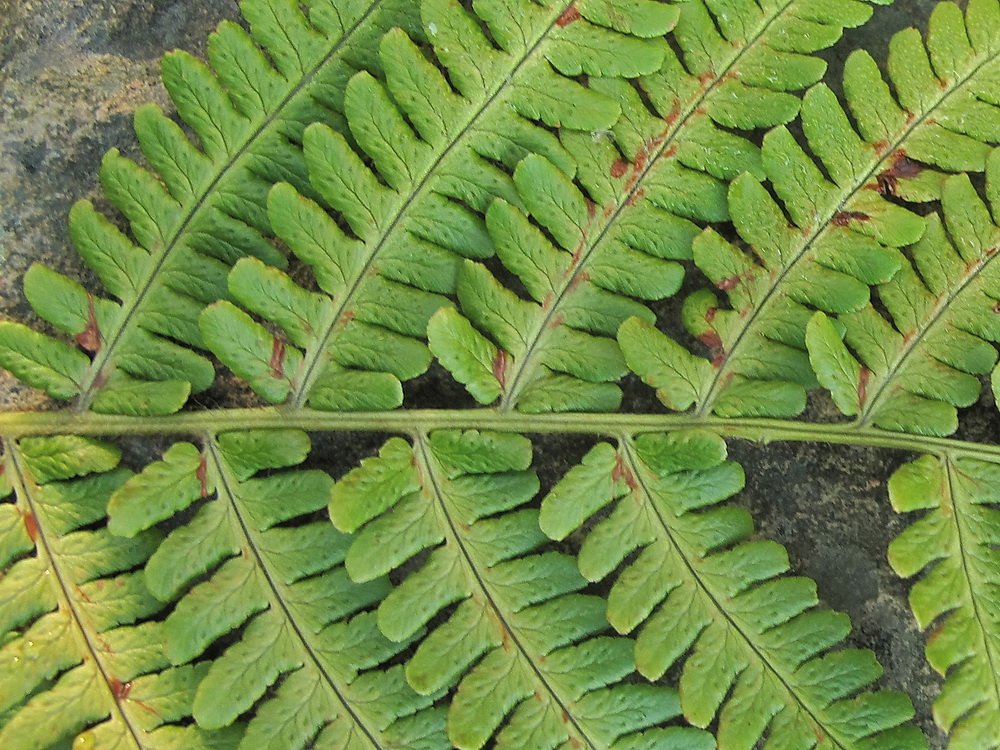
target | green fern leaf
x=305, y=644
x=81, y=654
x=202, y=209
x=955, y=545
x=425, y=162
x=528, y=653
x=753, y=645
x=922, y=360
x=833, y=231
x=208, y=601
x=582, y=253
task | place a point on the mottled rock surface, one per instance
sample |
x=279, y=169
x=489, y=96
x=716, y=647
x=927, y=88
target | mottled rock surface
x=72, y=71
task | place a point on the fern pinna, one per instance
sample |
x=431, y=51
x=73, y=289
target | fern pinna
x=369, y=198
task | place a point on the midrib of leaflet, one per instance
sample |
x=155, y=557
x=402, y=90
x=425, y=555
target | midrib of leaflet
x=21, y=484
x=519, y=377
x=883, y=392
x=93, y=380
x=226, y=482
x=454, y=538
x=637, y=469
x=723, y=372
x=974, y=596
x=314, y=359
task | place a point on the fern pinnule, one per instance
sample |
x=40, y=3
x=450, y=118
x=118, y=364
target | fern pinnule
x=953, y=549
x=830, y=229
x=915, y=363
x=199, y=208
x=646, y=191
x=81, y=654
x=755, y=651
x=528, y=653
x=295, y=623
x=424, y=157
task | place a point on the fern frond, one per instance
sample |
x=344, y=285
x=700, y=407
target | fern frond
x=209, y=602
x=275, y=575
x=429, y=153
x=645, y=192
x=507, y=624
x=912, y=367
x=80, y=655
x=200, y=209
x=757, y=654
x=829, y=230
x=955, y=547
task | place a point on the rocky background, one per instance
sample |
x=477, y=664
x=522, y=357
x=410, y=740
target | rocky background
x=72, y=71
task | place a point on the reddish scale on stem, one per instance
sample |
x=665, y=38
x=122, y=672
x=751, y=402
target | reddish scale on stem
x=277, y=359
x=577, y=280
x=90, y=337
x=728, y=284
x=641, y=159
x=568, y=16
x=713, y=341
x=903, y=168
x=619, y=471
x=639, y=163
x=863, y=377
x=31, y=526
x=500, y=368
x=935, y=633
x=635, y=197
x=631, y=482
x=674, y=114
x=578, y=253
x=202, y=474
x=119, y=689
x=844, y=218
x=731, y=282
x=505, y=639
